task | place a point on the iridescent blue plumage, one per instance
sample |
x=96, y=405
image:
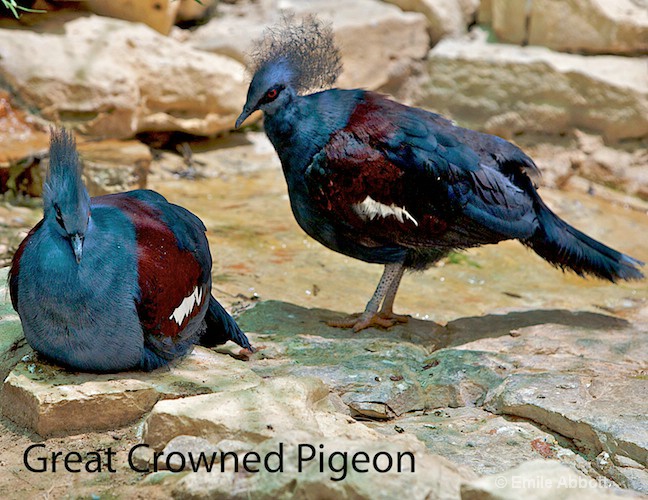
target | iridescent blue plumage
x=116, y=282
x=390, y=184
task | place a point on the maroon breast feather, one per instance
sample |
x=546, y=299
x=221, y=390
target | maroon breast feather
x=171, y=289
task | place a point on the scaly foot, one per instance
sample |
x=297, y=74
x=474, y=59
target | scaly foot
x=368, y=319
x=397, y=318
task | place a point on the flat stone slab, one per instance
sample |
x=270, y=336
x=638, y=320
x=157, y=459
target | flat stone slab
x=49, y=400
x=33, y=398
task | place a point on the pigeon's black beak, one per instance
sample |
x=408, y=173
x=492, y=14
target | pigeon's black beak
x=76, y=240
x=247, y=111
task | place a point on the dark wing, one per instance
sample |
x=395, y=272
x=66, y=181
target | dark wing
x=174, y=268
x=399, y=175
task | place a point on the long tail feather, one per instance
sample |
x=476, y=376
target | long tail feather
x=566, y=247
x=221, y=327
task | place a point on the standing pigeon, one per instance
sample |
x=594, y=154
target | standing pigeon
x=390, y=184
x=116, y=282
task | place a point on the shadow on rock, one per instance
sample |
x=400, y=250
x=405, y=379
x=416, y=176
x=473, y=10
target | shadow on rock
x=281, y=319
x=464, y=330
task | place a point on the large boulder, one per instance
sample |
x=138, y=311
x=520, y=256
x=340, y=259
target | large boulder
x=509, y=19
x=112, y=78
x=445, y=17
x=377, y=40
x=158, y=14
x=506, y=89
x=590, y=26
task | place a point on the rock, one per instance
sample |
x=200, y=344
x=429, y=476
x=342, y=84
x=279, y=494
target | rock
x=482, y=355
x=142, y=457
x=584, y=26
x=16, y=223
x=382, y=375
x=590, y=26
x=20, y=133
x=31, y=400
x=431, y=476
x=112, y=166
x=509, y=18
x=177, y=452
x=51, y=401
x=633, y=478
x=535, y=480
x=12, y=343
x=22, y=144
x=485, y=12
x=276, y=407
x=110, y=78
x=597, y=413
x=474, y=438
x=225, y=157
x=202, y=372
x=191, y=10
x=587, y=343
x=109, y=166
x=385, y=375
x=158, y=14
x=506, y=90
x=445, y=17
x=377, y=40
x=622, y=170
x=23, y=177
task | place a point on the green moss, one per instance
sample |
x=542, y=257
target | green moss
x=461, y=259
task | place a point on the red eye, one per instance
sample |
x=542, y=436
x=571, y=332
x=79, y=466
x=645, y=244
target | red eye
x=272, y=93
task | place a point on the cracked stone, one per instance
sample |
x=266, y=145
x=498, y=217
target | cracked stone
x=599, y=414
x=277, y=406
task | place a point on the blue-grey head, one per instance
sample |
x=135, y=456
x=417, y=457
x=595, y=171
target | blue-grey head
x=65, y=199
x=290, y=58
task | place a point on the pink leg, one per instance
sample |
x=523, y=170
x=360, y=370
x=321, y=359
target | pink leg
x=385, y=293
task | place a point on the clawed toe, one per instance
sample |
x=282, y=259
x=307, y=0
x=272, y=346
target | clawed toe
x=396, y=318
x=366, y=320
x=348, y=322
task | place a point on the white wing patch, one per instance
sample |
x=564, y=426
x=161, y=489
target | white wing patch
x=369, y=209
x=187, y=305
